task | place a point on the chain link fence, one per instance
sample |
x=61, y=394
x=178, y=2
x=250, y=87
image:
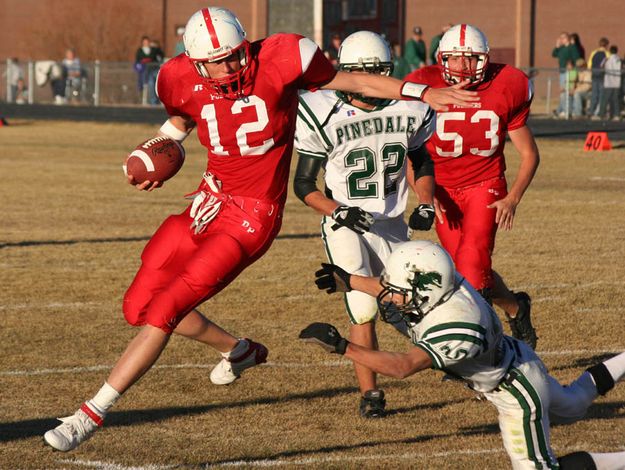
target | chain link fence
x=118, y=84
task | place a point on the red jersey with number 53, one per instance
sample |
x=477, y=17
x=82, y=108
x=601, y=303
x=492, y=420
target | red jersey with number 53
x=249, y=140
x=467, y=147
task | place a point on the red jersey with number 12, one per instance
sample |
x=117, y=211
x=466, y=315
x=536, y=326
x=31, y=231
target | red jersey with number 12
x=467, y=147
x=249, y=140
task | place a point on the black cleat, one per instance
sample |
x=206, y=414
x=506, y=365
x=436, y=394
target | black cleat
x=521, y=324
x=372, y=404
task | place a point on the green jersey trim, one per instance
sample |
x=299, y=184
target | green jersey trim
x=437, y=361
x=305, y=108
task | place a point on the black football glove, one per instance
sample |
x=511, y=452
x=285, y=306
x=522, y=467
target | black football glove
x=422, y=217
x=354, y=218
x=326, y=336
x=332, y=279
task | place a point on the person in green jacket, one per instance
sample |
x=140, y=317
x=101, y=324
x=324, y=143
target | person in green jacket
x=434, y=43
x=566, y=52
x=415, y=51
x=401, y=68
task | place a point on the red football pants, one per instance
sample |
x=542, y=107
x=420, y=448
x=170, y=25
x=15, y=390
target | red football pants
x=181, y=270
x=469, y=228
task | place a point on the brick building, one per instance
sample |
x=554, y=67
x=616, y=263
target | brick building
x=520, y=31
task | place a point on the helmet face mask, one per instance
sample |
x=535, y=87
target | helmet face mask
x=213, y=35
x=366, y=52
x=396, y=301
x=464, y=41
x=419, y=276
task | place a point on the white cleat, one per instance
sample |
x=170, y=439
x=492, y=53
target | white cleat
x=75, y=429
x=228, y=370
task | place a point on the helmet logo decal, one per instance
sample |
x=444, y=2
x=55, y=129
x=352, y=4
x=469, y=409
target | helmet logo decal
x=211, y=29
x=423, y=281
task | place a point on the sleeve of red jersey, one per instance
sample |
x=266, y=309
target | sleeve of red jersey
x=523, y=95
x=166, y=90
x=316, y=69
x=415, y=76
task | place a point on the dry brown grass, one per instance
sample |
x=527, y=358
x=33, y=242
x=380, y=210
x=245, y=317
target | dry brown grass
x=72, y=232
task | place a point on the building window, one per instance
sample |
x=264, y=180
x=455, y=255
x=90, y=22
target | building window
x=359, y=9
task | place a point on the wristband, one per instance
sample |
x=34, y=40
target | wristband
x=413, y=90
x=173, y=132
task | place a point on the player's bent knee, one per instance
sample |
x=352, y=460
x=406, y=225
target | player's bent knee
x=577, y=461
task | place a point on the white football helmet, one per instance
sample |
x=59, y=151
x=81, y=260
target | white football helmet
x=463, y=40
x=367, y=52
x=419, y=276
x=364, y=51
x=212, y=34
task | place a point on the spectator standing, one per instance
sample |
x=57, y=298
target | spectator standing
x=179, y=47
x=582, y=90
x=612, y=86
x=15, y=79
x=564, y=51
x=332, y=51
x=596, y=62
x=415, y=51
x=434, y=43
x=400, y=66
x=147, y=63
x=157, y=57
x=73, y=74
x=577, y=42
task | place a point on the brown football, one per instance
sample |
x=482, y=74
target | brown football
x=157, y=159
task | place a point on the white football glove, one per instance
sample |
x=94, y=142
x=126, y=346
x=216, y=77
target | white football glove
x=206, y=203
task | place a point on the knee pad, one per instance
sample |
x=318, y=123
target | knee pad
x=577, y=461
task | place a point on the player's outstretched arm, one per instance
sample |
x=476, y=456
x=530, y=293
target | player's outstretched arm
x=392, y=364
x=524, y=142
x=333, y=278
x=379, y=86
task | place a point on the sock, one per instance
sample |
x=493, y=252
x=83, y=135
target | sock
x=239, y=349
x=577, y=461
x=611, y=461
x=606, y=374
x=601, y=377
x=104, y=399
x=616, y=366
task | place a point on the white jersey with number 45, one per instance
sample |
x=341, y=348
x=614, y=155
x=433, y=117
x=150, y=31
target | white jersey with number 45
x=364, y=151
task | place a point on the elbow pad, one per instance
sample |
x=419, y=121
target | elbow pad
x=305, y=181
x=422, y=163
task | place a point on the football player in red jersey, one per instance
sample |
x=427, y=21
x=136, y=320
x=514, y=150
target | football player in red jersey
x=242, y=97
x=469, y=164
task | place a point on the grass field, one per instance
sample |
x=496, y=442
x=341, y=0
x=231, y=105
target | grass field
x=70, y=240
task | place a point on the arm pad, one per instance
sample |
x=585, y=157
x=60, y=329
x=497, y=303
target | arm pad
x=305, y=181
x=421, y=162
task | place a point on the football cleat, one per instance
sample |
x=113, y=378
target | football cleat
x=74, y=429
x=372, y=404
x=521, y=324
x=229, y=369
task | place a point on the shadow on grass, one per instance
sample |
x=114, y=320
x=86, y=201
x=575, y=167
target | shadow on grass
x=584, y=362
x=285, y=236
x=36, y=427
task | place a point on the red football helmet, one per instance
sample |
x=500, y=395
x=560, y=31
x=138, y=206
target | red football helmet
x=213, y=34
x=463, y=40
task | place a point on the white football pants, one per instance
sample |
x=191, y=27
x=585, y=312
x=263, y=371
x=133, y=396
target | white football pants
x=527, y=400
x=364, y=255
